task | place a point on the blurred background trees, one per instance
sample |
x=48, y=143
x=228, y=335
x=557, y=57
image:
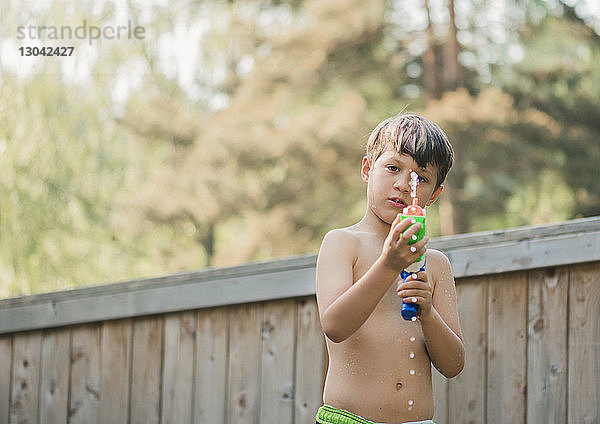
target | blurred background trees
x=234, y=131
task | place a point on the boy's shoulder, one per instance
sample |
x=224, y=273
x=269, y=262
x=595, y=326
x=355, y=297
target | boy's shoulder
x=436, y=257
x=345, y=241
x=342, y=237
x=438, y=267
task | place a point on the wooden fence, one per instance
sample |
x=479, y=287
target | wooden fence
x=243, y=344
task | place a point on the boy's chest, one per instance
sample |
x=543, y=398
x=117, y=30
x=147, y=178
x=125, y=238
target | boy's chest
x=364, y=262
x=368, y=254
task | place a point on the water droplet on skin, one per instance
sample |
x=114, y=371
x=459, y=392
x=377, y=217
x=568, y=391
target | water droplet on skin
x=410, y=408
x=412, y=339
x=412, y=372
x=414, y=237
x=413, y=319
x=412, y=355
x=410, y=402
x=414, y=300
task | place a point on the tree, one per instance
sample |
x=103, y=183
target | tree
x=249, y=161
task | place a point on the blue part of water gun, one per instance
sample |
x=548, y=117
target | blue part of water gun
x=409, y=310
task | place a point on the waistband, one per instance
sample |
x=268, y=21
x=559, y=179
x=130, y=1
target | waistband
x=329, y=415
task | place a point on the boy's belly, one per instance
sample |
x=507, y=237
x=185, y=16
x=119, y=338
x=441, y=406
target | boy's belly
x=382, y=372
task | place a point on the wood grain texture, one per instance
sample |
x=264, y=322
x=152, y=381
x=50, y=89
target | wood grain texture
x=507, y=349
x=277, y=368
x=25, y=378
x=467, y=391
x=584, y=344
x=5, y=377
x=211, y=365
x=54, y=378
x=440, y=396
x=146, y=366
x=86, y=367
x=311, y=362
x=116, y=361
x=547, y=346
x=531, y=341
x=178, y=368
x=245, y=350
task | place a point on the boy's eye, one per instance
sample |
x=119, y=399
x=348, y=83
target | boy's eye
x=393, y=168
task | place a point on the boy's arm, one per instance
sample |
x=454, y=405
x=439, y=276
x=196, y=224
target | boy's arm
x=441, y=327
x=343, y=305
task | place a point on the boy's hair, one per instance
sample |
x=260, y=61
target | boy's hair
x=416, y=136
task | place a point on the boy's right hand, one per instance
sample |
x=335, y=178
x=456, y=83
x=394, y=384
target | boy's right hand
x=396, y=253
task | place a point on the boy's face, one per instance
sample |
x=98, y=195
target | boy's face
x=388, y=188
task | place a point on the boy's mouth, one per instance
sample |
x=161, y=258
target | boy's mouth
x=396, y=202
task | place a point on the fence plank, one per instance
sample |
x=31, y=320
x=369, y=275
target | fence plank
x=146, y=364
x=547, y=346
x=311, y=362
x=277, y=369
x=178, y=368
x=211, y=365
x=5, y=376
x=584, y=344
x=440, y=396
x=116, y=360
x=54, y=379
x=85, y=374
x=25, y=377
x=507, y=350
x=244, y=364
x=466, y=392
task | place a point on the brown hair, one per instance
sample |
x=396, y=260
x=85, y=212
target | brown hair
x=416, y=136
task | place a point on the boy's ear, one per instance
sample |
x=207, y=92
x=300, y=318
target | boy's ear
x=435, y=195
x=365, y=168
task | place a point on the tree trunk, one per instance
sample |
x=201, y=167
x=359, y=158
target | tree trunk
x=431, y=79
x=446, y=217
x=452, y=67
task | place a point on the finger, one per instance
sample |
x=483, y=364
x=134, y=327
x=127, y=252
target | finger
x=403, y=224
x=396, y=220
x=411, y=231
x=421, y=276
x=421, y=243
x=412, y=292
x=417, y=300
x=407, y=282
x=392, y=234
x=397, y=231
x=412, y=283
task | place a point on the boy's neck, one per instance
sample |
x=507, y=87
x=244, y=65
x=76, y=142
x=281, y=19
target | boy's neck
x=373, y=224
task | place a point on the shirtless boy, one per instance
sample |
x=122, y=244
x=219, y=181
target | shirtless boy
x=380, y=364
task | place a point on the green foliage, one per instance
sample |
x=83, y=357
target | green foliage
x=559, y=77
x=246, y=143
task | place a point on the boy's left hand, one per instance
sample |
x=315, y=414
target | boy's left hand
x=417, y=290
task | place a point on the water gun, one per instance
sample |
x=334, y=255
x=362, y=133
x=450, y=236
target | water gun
x=409, y=311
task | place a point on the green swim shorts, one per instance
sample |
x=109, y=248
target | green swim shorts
x=330, y=415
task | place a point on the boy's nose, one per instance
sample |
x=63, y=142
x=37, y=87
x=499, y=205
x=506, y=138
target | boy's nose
x=402, y=183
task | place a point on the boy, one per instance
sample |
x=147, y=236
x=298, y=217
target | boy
x=379, y=364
